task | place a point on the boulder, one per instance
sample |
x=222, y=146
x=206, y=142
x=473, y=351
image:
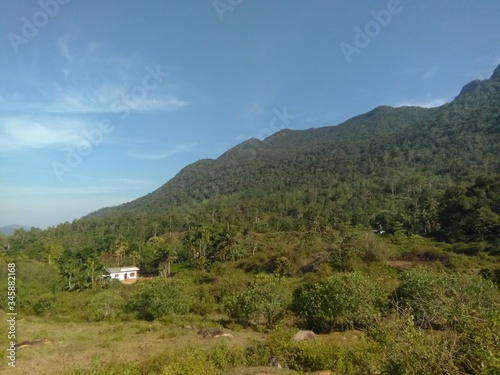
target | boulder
x=304, y=336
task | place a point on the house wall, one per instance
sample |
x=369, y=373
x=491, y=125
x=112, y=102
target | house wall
x=121, y=275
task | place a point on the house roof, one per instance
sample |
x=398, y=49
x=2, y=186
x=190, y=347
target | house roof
x=121, y=269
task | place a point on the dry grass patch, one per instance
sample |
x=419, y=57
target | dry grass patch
x=69, y=346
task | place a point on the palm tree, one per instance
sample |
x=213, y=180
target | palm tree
x=165, y=255
x=228, y=243
x=135, y=257
x=119, y=251
x=204, y=241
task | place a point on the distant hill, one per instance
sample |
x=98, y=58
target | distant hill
x=394, y=149
x=10, y=229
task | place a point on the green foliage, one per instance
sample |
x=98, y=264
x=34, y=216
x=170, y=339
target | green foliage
x=467, y=306
x=265, y=301
x=157, y=298
x=409, y=349
x=203, y=301
x=472, y=213
x=36, y=272
x=352, y=244
x=298, y=205
x=325, y=353
x=443, y=299
x=191, y=362
x=344, y=300
x=257, y=353
x=491, y=273
x=225, y=357
x=44, y=304
x=106, y=305
x=282, y=266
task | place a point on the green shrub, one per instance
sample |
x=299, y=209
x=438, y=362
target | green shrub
x=443, y=299
x=265, y=301
x=28, y=295
x=44, y=304
x=466, y=305
x=192, y=363
x=107, y=305
x=157, y=298
x=411, y=350
x=257, y=354
x=491, y=273
x=225, y=357
x=71, y=306
x=344, y=300
x=325, y=353
x=203, y=301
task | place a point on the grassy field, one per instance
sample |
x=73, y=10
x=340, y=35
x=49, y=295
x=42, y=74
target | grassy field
x=69, y=346
x=64, y=348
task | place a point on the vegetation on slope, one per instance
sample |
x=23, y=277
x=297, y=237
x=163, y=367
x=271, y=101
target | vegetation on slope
x=387, y=225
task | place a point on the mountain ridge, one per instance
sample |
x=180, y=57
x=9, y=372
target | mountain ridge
x=425, y=141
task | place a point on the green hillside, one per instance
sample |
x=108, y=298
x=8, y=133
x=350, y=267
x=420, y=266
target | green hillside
x=387, y=146
x=381, y=234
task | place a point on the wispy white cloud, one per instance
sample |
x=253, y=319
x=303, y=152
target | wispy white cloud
x=63, y=47
x=419, y=72
x=93, y=48
x=93, y=80
x=426, y=103
x=29, y=132
x=104, y=98
x=127, y=181
x=162, y=155
x=109, y=186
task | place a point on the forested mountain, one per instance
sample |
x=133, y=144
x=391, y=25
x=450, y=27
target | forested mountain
x=395, y=150
x=430, y=172
x=388, y=224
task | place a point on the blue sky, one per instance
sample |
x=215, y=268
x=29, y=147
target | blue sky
x=103, y=101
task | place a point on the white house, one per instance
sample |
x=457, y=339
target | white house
x=121, y=273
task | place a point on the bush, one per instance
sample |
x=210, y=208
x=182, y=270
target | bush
x=107, y=305
x=257, y=354
x=444, y=300
x=411, y=350
x=325, y=353
x=44, y=304
x=157, y=298
x=467, y=306
x=204, y=301
x=266, y=301
x=225, y=357
x=344, y=300
x=492, y=274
